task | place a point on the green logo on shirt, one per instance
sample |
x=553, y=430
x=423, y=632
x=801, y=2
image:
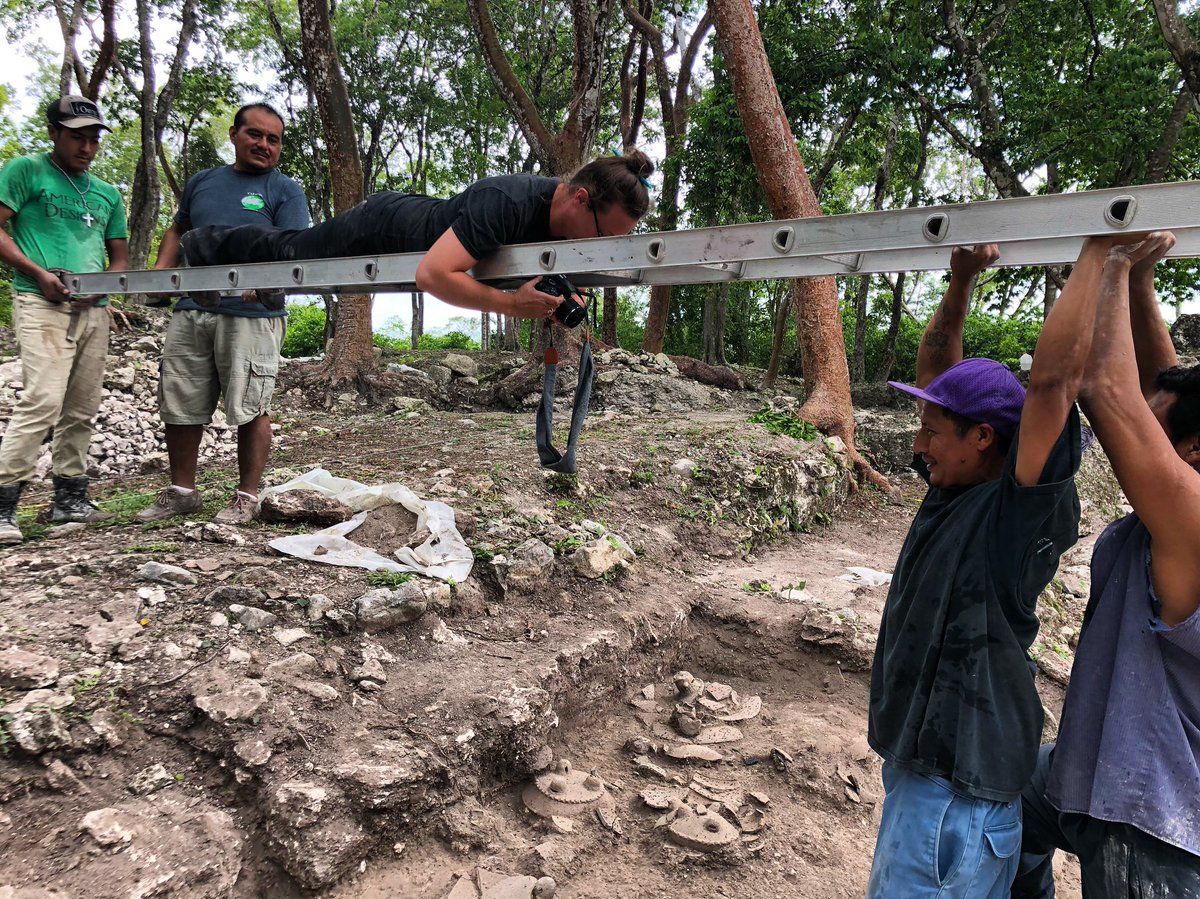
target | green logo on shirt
x=253, y=201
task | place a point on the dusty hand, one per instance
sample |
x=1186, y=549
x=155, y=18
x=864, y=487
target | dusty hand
x=529, y=302
x=967, y=262
x=51, y=285
x=1145, y=253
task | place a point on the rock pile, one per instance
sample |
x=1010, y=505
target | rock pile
x=128, y=436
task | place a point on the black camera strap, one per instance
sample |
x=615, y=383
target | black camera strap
x=551, y=458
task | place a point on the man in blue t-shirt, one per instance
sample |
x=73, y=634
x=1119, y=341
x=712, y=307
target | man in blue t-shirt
x=227, y=346
x=1121, y=789
x=954, y=712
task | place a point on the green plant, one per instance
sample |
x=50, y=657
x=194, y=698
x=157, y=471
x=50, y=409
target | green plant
x=782, y=423
x=757, y=586
x=305, y=330
x=567, y=544
x=454, y=340
x=388, y=578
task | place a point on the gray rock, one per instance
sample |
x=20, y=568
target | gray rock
x=440, y=374
x=311, y=834
x=166, y=574
x=61, y=778
x=253, y=751
x=303, y=505
x=38, y=730
x=532, y=560
x=23, y=670
x=1185, y=334
x=384, y=608
x=106, y=827
x=150, y=780
x=253, y=618
x=238, y=703
x=286, y=636
x=297, y=665
x=318, y=605
x=597, y=557
x=231, y=594
x=371, y=669
x=463, y=366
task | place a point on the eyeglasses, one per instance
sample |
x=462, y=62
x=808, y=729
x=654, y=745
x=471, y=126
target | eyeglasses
x=595, y=218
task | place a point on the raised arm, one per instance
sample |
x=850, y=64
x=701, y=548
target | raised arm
x=1162, y=487
x=1151, y=340
x=1059, y=361
x=443, y=272
x=941, y=344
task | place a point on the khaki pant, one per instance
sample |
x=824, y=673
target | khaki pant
x=62, y=363
x=207, y=355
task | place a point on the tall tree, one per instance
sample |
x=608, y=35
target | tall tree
x=675, y=100
x=154, y=106
x=789, y=194
x=562, y=152
x=350, y=354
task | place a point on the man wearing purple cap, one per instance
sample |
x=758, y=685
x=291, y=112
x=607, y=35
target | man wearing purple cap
x=954, y=712
x=1121, y=789
x=62, y=218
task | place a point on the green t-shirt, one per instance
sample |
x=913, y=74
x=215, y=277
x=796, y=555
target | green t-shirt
x=51, y=224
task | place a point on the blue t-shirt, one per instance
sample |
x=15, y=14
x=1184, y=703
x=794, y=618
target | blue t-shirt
x=225, y=196
x=1129, y=744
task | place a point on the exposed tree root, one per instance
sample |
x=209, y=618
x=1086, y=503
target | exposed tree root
x=826, y=414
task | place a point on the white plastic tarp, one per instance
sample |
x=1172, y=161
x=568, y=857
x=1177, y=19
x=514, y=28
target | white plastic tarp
x=444, y=554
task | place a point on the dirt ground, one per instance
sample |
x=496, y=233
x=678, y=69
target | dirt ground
x=181, y=751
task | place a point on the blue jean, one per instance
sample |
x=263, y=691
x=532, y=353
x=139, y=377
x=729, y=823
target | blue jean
x=936, y=843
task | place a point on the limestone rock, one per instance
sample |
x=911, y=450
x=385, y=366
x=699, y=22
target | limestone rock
x=150, y=780
x=253, y=618
x=38, y=730
x=597, y=557
x=23, y=670
x=238, y=703
x=303, y=505
x=384, y=608
x=166, y=574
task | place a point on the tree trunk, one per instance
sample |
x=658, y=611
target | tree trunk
x=858, y=364
x=1180, y=42
x=715, y=305
x=888, y=357
x=609, y=335
x=418, y=317
x=351, y=354
x=675, y=108
x=789, y=194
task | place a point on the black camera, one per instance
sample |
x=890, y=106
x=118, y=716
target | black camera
x=570, y=312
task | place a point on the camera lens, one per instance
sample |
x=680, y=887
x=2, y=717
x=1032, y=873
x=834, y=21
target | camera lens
x=570, y=313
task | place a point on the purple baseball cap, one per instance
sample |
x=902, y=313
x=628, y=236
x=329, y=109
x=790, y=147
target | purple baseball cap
x=978, y=389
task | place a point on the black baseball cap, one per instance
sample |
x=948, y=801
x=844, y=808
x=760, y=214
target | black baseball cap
x=75, y=112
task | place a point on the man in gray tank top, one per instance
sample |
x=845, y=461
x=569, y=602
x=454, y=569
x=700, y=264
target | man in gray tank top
x=1121, y=789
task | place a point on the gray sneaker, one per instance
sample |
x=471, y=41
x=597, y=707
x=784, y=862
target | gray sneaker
x=171, y=503
x=241, y=510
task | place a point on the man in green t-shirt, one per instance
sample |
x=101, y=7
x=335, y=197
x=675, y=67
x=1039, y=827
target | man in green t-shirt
x=61, y=218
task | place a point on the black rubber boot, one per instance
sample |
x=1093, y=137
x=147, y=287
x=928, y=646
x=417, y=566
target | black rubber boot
x=10, y=495
x=71, y=502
